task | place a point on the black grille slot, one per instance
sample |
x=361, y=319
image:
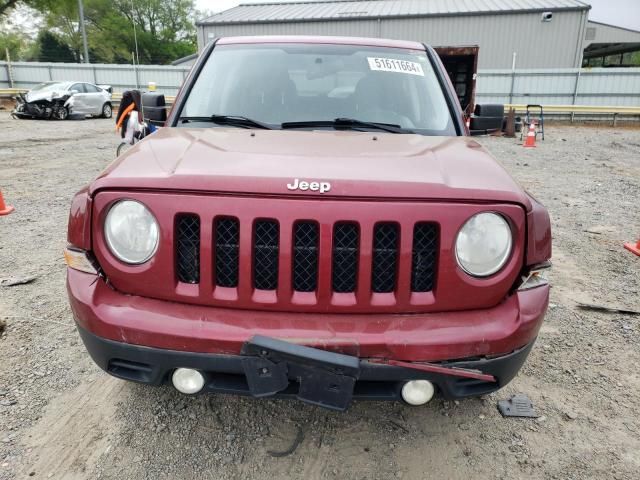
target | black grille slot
x=385, y=257
x=425, y=254
x=305, y=257
x=188, y=248
x=265, y=254
x=346, y=238
x=227, y=248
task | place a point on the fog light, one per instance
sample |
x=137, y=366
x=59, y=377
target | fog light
x=187, y=380
x=417, y=392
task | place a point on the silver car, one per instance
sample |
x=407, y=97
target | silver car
x=78, y=98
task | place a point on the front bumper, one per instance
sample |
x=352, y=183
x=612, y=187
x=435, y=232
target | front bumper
x=145, y=340
x=432, y=337
x=225, y=373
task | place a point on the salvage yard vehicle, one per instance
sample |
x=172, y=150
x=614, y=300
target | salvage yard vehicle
x=59, y=100
x=313, y=221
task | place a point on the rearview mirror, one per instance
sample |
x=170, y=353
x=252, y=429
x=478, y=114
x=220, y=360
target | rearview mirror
x=73, y=92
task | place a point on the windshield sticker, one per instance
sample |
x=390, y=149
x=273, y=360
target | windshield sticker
x=394, y=65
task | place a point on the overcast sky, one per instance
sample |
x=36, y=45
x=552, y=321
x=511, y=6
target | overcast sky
x=624, y=13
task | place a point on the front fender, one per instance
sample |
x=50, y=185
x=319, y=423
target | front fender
x=69, y=102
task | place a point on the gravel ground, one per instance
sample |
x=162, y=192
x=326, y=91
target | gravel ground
x=61, y=417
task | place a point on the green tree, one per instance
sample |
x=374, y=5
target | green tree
x=15, y=42
x=50, y=48
x=6, y=5
x=165, y=28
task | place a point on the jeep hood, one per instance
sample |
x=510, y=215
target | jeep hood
x=357, y=164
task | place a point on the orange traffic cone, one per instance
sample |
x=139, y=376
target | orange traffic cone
x=4, y=209
x=633, y=248
x=530, y=141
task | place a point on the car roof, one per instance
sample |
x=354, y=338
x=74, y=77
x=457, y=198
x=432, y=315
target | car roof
x=319, y=39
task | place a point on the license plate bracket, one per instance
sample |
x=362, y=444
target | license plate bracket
x=326, y=378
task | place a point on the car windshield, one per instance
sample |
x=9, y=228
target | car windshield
x=295, y=83
x=43, y=87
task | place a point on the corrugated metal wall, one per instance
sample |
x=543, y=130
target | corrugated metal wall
x=600, y=33
x=595, y=86
x=353, y=28
x=120, y=77
x=538, y=44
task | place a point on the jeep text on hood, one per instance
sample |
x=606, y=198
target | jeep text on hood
x=314, y=222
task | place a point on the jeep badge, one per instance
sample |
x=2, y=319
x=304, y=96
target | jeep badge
x=298, y=184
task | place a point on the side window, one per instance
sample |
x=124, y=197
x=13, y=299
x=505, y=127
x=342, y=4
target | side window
x=78, y=87
x=91, y=88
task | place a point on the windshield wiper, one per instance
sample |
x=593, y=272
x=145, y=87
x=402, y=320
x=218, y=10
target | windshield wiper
x=348, y=123
x=231, y=120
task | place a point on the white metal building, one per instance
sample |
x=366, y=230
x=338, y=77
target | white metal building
x=543, y=33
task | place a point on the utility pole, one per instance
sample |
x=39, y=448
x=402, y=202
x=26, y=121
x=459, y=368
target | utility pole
x=84, y=32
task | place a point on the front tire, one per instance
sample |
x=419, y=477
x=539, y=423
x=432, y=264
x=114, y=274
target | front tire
x=61, y=113
x=107, y=110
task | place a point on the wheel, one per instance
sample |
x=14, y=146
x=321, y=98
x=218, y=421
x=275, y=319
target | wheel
x=123, y=147
x=60, y=113
x=107, y=110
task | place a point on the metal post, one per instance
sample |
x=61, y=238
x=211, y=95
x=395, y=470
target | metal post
x=9, y=69
x=133, y=57
x=513, y=77
x=83, y=31
x=575, y=90
x=135, y=34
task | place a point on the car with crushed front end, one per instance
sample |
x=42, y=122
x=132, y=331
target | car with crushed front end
x=314, y=221
x=60, y=100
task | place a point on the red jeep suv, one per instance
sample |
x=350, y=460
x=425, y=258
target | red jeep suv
x=312, y=221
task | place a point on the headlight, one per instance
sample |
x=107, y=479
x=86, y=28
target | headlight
x=484, y=244
x=131, y=232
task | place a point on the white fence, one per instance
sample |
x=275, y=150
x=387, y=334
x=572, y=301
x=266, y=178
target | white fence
x=619, y=87
x=595, y=86
x=121, y=77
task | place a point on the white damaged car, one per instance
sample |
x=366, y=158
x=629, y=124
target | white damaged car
x=59, y=100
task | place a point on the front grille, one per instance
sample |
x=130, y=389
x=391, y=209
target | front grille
x=361, y=261
x=424, y=255
x=346, y=239
x=265, y=255
x=188, y=248
x=227, y=250
x=385, y=257
x=305, y=256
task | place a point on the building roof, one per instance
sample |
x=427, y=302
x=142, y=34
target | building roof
x=349, y=9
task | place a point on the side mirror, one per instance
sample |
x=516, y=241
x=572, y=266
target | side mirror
x=154, y=107
x=73, y=92
x=487, y=118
